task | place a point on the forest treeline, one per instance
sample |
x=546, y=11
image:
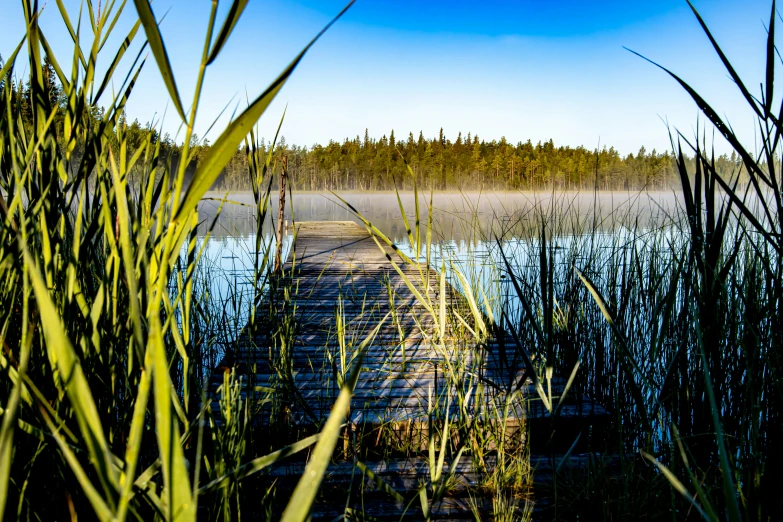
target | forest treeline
x=467, y=162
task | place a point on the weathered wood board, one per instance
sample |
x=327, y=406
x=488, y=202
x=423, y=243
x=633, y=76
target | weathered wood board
x=337, y=268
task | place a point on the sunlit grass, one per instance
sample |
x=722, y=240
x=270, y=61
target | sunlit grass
x=114, y=317
x=104, y=326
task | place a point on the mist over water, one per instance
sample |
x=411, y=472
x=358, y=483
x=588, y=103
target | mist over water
x=455, y=215
x=464, y=228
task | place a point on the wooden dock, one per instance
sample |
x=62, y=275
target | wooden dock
x=338, y=286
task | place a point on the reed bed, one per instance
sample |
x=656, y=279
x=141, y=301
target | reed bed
x=108, y=325
x=113, y=321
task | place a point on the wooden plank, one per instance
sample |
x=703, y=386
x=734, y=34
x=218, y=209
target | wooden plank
x=337, y=265
x=405, y=475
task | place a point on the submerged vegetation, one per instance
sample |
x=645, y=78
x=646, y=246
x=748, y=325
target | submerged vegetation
x=112, y=321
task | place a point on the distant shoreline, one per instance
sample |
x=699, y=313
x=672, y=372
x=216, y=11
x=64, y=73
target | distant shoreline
x=423, y=193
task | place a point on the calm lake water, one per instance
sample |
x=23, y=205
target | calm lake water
x=460, y=220
x=464, y=225
x=454, y=215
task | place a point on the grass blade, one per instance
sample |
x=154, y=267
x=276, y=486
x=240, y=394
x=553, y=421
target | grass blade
x=567, y=455
x=726, y=63
x=382, y=484
x=113, y=66
x=102, y=510
x=224, y=148
x=10, y=412
x=298, y=507
x=237, y=7
x=147, y=18
x=626, y=358
x=677, y=485
x=260, y=463
x=177, y=490
x=10, y=62
x=770, y=69
x=567, y=387
x=76, y=385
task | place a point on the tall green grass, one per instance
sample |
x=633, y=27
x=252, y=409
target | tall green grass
x=102, y=324
x=673, y=325
x=109, y=323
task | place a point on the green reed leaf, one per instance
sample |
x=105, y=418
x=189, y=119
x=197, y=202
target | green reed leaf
x=234, y=13
x=224, y=148
x=382, y=484
x=570, y=381
x=375, y=232
x=115, y=62
x=177, y=491
x=677, y=485
x=9, y=414
x=726, y=471
x=135, y=437
x=53, y=60
x=726, y=63
x=260, y=463
x=716, y=120
x=123, y=224
x=467, y=291
x=147, y=18
x=567, y=455
x=102, y=510
x=67, y=21
x=76, y=386
x=306, y=489
x=529, y=368
x=628, y=362
x=770, y=66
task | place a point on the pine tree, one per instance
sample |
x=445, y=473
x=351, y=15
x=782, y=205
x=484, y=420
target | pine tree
x=467, y=163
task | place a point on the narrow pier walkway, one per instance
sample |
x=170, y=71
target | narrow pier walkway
x=338, y=286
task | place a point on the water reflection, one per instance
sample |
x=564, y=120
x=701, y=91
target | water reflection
x=464, y=230
x=455, y=215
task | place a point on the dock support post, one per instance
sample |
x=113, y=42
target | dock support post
x=280, y=214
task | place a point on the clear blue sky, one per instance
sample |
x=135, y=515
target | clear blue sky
x=524, y=70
